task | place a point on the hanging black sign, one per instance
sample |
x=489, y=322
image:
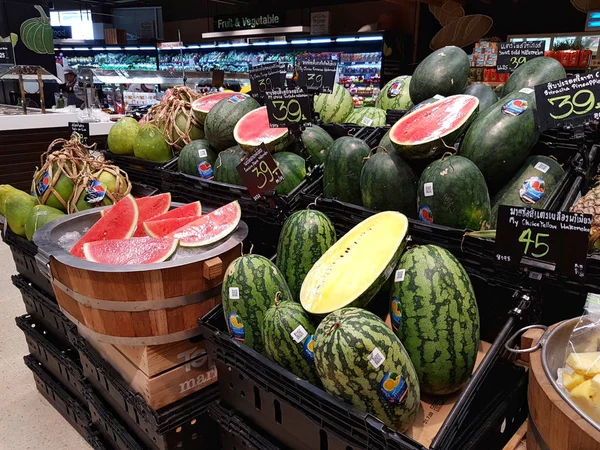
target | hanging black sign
x=288, y=108
x=260, y=173
x=548, y=240
x=266, y=77
x=6, y=53
x=317, y=76
x=249, y=21
x=62, y=32
x=83, y=128
x=512, y=55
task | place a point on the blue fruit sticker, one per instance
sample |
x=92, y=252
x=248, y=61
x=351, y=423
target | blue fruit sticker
x=393, y=388
x=425, y=214
x=205, y=170
x=236, y=98
x=532, y=190
x=515, y=107
x=95, y=192
x=43, y=184
x=236, y=327
x=309, y=346
x=395, y=89
x=396, y=313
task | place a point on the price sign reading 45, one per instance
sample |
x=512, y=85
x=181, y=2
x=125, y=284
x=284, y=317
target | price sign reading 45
x=549, y=241
x=317, y=75
x=288, y=108
x=260, y=173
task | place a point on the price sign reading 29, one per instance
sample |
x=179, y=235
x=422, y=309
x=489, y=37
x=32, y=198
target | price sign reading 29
x=287, y=108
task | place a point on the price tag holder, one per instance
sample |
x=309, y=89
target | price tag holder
x=83, y=128
x=317, y=76
x=553, y=241
x=568, y=101
x=6, y=53
x=288, y=108
x=512, y=55
x=266, y=77
x=260, y=173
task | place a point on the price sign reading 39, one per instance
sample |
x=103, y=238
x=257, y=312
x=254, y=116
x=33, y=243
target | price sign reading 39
x=260, y=173
x=317, y=75
x=265, y=78
x=289, y=107
x=512, y=55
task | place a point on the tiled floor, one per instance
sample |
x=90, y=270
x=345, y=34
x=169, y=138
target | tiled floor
x=27, y=420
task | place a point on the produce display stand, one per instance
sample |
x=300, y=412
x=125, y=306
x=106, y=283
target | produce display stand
x=139, y=170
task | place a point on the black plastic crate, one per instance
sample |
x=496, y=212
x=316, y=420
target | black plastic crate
x=44, y=308
x=61, y=360
x=236, y=433
x=139, y=190
x=181, y=425
x=139, y=170
x=71, y=409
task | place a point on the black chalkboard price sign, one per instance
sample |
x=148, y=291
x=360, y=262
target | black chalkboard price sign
x=266, y=77
x=288, y=108
x=512, y=55
x=6, y=53
x=83, y=128
x=552, y=241
x=568, y=101
x=260, y=173
x=317, y=75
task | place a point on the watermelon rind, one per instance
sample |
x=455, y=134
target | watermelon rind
x=293, y=169
x=367, y=117
x=222, y=118
x=150, y=207
x=164, y=227
x=201, y=112
x=486, y=95
x=226, y=166
x=257, y=121
x=395, y=94
x=191, y=209
x=534, y=72
x=90, y=250
x=343, y=165
x=335, y=107
x=437, y=142
x=317, y=141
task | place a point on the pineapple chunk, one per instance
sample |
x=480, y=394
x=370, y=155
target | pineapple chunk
x=585, y=363
x=571, y=380
x=587, y=397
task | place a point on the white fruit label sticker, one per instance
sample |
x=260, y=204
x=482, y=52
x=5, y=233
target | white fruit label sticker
x=428, y=189
x=399, y=275
x=439, y=97
x=376, y=358
x=526, y=90
x=234, y=293
x=299, y=334
x=366, y=121
x=202, y=153
x=542, y=167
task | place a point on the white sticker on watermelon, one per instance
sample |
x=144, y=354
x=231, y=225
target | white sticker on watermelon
x=299, y=334
x=542, y=167
x=439, y=97
x=366, y=121
x=376, y=358
x=428, y=189
x=526, y=90
x=202, y=153
x=399, y=275
x=234, y=293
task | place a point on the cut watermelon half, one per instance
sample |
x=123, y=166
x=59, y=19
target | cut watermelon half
x=150, y=207
x=429, y=131
x=143, y=250
x=191, y=209
x=162, y=228
x=253, y=129
x=119, y=222
x=202, y=106
x=210, y=228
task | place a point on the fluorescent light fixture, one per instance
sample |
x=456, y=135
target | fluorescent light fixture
x=594, y=23
x=131, y=48
x=277, y=43
x=595, y=15
x=208, y=46
x=67, y=49
x=345, y=39
x=260, y=43
x=56, y=49
x=97, y=48
x=224, y=45
x=147, y=48
x=113, y=48
x=300, y=41
x=320, y=41
x=240, y=44
x=193, y=46
x=370, y=38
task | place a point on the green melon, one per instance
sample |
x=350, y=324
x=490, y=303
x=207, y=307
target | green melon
x=395, y=94
x=121, y=136
x=452, y=192
x=39, y=216
x=293, y=169
x=198, y=159
x=434, y=313
x=444, y=72
x=362, y=362
x=225, y=167
x=486, y=95
x=367, y=117
x=335, y=107
x=317, y=141
x=536, y=71
x=64, y=187
x=151, y=145
x=249, y=288
x=18, y=209
x=223, y=117
x=306, y=235
x=343, y=164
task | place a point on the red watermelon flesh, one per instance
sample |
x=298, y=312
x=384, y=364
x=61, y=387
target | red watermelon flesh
x=119, y=222
x=203, y=105
x=253, y=130
x=150, y=207
x=164, y=227
x=209, y=228
x=191, y=209
x=142, y=250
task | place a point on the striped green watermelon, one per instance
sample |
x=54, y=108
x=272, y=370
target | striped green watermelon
x=306, y=235
x=223, y=117
x=362, y=362
x=249, y=288
x=367, y=117
x=288, y=337
x=197, y=158
x=395, y=94
x=293, y=169
x=226, y=163
x=334, y=107
x=317, y=141
x=254, y=129
x=434, y=313
x=202, y=106
x=343, y=164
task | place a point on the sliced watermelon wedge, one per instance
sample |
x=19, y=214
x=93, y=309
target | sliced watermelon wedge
x=191, y=209
x=119, y=222
x=253, y=129
x=209, y=228
x=164, y=227
x=142, y=250
x=202, y=106
x=150, y=207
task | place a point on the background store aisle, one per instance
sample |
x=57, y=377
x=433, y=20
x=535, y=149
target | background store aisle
x=27, y=421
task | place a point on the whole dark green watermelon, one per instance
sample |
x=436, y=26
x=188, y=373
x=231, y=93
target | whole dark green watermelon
x=387, y=183
x=293, y=168
x=288, y=336
x=501, y=138
x=452, y=192
x=444, y=72
x=486, y=95
x=195, y=153
x=317, y=141
x=249, y=288
x=225, y=167
x=306, y=235
x=362, y=362
x=386, y=143
x=434, y=313
x=222, y=118
x=535, y=71
x=343, y=165
x=531, y=187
